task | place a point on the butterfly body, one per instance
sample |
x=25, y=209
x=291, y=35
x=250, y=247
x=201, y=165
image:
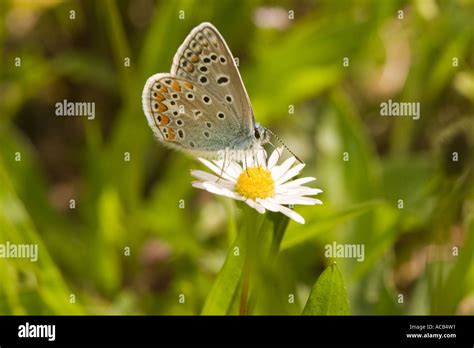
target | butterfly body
x=201, y=106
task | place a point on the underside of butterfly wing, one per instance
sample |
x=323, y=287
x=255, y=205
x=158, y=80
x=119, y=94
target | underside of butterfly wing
x=185, y=116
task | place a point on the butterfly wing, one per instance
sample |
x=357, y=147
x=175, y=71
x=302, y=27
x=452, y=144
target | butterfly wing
x=186, y=116
x=205, y=58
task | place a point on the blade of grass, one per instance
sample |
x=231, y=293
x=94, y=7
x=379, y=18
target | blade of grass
x=220, y=297
x=119, y=44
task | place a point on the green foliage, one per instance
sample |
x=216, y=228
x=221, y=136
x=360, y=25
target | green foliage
x=328, y=296
x=38, y=284
x=219, y=300
x=319, y=224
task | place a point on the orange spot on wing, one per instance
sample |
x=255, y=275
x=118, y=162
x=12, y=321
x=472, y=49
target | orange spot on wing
x=194, y=58
x=175, y=86
x=188, y=85
x=160, y=97
x=164, y=89
x=162, y=108
x=190, y=68
x=171, y=135
x=164, y=120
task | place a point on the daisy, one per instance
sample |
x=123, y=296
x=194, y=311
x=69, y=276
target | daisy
x=262, y=184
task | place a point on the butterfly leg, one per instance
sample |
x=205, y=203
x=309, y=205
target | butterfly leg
x=223, y=166
x=245, y=164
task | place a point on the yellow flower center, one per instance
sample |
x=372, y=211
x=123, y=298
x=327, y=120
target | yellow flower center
x=255, y=183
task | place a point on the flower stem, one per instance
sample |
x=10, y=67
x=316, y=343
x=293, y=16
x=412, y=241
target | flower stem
x=259, y=247
x=244, y=294
x=251, y=224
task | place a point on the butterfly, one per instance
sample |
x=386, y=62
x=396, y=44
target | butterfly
x=201, y=107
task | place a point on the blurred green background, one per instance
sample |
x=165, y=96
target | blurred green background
x=129, y=247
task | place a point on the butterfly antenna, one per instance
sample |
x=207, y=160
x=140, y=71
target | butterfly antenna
x=284, y=145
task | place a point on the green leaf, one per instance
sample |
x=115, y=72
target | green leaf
x=240, y=262
x=328, y=296
x=295, y=236
x=220, y=298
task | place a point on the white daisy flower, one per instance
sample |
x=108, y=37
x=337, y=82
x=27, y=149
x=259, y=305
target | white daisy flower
x=262, y=184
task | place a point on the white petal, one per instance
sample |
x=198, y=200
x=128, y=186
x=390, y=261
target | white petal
x=252, y=160
x=267, y=204
x=219, y=190
x=245, y=161
x=217, y=170
x=281, y=199
x=207, y=177
x=234, y=169
x=204, y=176
x=204, y=186
x=292, y=214
x=218, y=163
x=273, y=206
x=298, y=191
x=231, y=168
x=274, y=157
x=261, y=157
x=199, y=185
x=258, y=207
x=289, y=174
x=278, y=171
x=298, y=182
